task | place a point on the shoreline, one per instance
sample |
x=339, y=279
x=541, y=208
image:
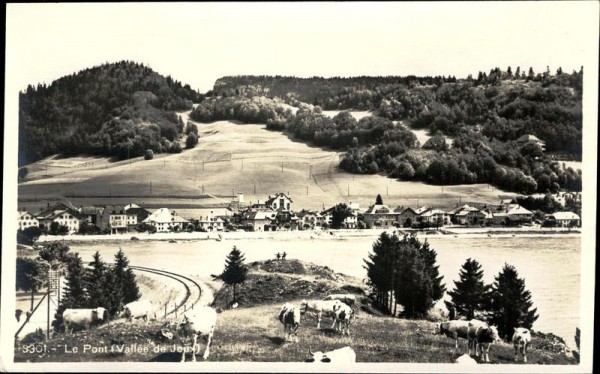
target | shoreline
x=450, y=232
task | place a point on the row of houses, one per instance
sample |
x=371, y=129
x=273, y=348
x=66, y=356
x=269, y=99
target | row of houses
x=275, y=214
x=112, y=219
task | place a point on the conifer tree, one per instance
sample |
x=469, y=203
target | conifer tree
x=470, y=292
x=235, y=270
x=510, y=303
x=124, y=280
x=378, y=200
x=99, y=289
x=74, y=292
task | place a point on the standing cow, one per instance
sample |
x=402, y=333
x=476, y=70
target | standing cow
x=454, y=329
x=290, y=316
x=321, y=308
x=343, y=315
x=196, y=324
x=521, y=339
x=83, y=318
x=482, y=335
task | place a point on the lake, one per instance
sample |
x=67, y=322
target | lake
x=550, y=265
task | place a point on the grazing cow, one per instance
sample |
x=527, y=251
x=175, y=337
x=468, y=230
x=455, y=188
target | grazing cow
x=342, y=356
x=198, y=323
x=521, y=339
x=343, y=316
x=290, y=316
x=345, y=298
x=482, y=335
x=139, y=309
x=83, y=317
x=454, y=329
x=321, y=307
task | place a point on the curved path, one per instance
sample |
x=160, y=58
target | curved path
x=193, y=290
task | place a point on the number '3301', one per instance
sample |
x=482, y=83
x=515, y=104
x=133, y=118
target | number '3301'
x=34, y=348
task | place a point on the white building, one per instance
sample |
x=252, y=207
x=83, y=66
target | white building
x=26, y=219
x=165, y=220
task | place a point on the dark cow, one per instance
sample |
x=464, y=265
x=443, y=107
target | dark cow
x=290, y=316
x=481, y=336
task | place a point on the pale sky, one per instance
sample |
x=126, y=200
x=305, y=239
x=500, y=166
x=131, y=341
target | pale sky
x=197, y=43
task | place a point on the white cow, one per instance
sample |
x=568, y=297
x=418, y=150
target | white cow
x=198, y=323
x=290, y=316
x=345, y=298
x=521, y=339
x=482, y=335
x=321, y=307
x=342, y=355
x=83, y=317
x=343, y=316
x=139, y=309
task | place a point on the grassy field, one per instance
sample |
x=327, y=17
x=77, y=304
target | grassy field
x=231, y=158
x=252, y=332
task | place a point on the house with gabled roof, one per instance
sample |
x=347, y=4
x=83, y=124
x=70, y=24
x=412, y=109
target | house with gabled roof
x=280, y=202
x=563, y=219
x=406, y=216
x=350, y=222
x=380, y=215
x=165, y=220
x=26, y=220
x=529, y=138
x=63, y=214
x=259, y=220
x=309, y=220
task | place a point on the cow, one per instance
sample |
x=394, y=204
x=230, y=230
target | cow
x=321, y=307
x=196, y=324
x=345, y=298
x=454, y=329
x=341, y=356
x=343, y=315
x=83, y=317
x=482, y=335
x=290, y=316
x=521, y=339
x=139, y=309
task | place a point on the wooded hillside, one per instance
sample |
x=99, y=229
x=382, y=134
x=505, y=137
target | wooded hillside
x=102, y=110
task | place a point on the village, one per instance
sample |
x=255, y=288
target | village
x=276, y=213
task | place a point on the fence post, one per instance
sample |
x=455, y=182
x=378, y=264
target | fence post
x=175, y=305
x=166, y=310
x=184, y=308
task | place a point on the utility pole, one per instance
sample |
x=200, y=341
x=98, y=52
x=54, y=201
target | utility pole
x=150, y=188
x=348, y=190
x=387, y=190
x=306, y=190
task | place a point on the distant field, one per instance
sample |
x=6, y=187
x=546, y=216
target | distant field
x=232, y=158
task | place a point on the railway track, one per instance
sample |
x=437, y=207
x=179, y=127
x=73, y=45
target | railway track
x=193, y=291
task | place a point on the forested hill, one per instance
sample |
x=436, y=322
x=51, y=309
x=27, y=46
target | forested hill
x=106, y=110
x=501, y=104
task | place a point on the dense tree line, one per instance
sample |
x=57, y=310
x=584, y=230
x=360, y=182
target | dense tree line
x=502, y=104
x=83, y=112
x=404, y=271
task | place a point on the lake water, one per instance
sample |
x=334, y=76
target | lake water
x=550, y=265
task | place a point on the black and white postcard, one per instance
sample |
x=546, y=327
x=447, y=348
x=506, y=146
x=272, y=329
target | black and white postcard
x=299, y=187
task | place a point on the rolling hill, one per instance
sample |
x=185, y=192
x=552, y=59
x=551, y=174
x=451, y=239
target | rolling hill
x=230, y=158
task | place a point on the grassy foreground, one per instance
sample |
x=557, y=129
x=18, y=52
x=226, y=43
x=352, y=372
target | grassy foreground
x=252, y=331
